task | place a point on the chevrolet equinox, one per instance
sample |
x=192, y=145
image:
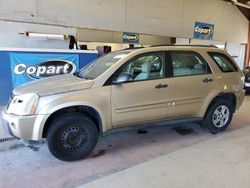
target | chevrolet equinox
x=133, y=87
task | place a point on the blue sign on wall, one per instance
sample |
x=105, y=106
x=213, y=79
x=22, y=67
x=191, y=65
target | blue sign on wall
x=26, y=67
x=5, y=78
x=203, y=31
x=131, y=38
x=30, y=66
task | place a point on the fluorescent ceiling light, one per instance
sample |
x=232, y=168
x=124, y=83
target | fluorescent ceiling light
x=46, y=36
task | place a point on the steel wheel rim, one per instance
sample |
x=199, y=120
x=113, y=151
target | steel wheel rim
x=73, y=138
x=221, y=116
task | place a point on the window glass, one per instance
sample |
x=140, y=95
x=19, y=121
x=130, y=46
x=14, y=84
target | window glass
x=102, y=64
x=188, y=63
x=225, y=63
x=146, y=67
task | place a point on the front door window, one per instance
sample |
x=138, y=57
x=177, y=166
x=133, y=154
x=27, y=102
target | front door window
x=146, y=67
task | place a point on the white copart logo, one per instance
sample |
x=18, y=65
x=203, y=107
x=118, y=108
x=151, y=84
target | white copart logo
x=40, y=70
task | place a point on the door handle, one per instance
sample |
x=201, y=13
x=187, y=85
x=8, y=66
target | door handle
x=159, y=86
x=206, y=80
x=165, y=85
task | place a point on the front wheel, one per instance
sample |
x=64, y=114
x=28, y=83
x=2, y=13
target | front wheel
x=72, y=136
x=218, y=116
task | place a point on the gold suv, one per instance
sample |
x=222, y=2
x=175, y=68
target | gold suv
x=146, y=86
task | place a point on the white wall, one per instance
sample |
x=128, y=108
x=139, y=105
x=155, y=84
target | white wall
x=177, y=17
x=159, y=17
x=117, y=37
x=237, y=51
x=198, y=41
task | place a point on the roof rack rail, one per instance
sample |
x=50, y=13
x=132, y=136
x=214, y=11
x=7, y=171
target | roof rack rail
x=133, y=48
x=184, y=45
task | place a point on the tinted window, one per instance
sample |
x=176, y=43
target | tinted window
x=188, y=63
x=224, y=62
x=146, y=67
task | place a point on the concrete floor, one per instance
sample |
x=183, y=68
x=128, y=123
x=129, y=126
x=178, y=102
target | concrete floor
x=161, y=158
x=220, y=162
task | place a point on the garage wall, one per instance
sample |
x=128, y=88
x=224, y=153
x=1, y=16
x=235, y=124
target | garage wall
x=237, y=51
x=159, y=17
x=89, y=35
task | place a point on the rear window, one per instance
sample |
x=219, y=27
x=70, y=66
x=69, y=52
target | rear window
x=224, y=62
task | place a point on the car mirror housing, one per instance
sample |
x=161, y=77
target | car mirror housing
x=122, y=78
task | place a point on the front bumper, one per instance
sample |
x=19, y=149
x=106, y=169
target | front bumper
x=20, y=126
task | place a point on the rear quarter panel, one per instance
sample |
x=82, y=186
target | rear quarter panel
x=229, y=82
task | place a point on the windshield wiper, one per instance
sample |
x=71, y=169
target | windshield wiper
x=87, y=78
x=76, y=74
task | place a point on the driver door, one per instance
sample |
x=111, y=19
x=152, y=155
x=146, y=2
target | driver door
x=145, y=98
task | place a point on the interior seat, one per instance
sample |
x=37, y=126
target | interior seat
x=180, y=70
x=198, y=69
x=145, y=71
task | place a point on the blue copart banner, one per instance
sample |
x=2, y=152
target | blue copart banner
x=26, y=67
x=203, y=31
x=5, y=78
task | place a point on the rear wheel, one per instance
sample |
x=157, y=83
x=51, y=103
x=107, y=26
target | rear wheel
x=72, y=136
x=218, y=116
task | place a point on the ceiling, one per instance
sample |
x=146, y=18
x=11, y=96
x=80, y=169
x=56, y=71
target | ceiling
x=245, y=11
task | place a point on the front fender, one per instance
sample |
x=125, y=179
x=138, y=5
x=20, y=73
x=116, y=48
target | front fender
x=98, y=100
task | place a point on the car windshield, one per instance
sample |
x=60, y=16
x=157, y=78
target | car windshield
x=99, y=66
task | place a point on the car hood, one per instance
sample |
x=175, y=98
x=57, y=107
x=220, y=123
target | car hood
x=54, y=85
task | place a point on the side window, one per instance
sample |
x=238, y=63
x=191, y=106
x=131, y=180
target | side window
x=225, y=63
x=188, y=63
x=146, y=67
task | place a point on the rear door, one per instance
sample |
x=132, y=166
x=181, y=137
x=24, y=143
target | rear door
x=190, y=84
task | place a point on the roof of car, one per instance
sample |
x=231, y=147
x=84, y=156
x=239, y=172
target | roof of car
x=185, y=45
x=129, y=50
x=172, y=45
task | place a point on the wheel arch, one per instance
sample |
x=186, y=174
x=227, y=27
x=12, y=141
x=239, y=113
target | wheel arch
x=90, y=111
x=231, y=97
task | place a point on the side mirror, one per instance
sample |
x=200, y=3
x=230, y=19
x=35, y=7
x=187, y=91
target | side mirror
x=122, y=78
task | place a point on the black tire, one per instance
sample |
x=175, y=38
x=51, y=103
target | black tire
x=72, y=136
x=213, y=115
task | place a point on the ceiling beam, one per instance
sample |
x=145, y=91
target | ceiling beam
x=245, y=12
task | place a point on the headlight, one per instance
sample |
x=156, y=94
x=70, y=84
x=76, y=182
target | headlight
x=23, y=104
